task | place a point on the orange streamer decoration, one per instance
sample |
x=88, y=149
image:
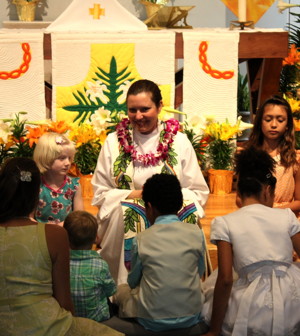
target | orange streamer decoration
x=22, y=68
x=207, y=68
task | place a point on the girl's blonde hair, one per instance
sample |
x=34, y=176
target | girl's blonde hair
x=49, y=148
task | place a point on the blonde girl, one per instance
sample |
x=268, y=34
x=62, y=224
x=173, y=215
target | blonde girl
x=59, y=193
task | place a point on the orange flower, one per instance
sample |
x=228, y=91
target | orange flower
x=297, y=124
x=34, y=133
x=59, y=126
x=293, y=56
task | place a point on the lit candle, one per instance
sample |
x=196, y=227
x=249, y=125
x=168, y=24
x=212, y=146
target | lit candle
x=242, y=11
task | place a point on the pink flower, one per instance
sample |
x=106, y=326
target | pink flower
x=150, y=159
x=42, y=203
x=54, y=194
x=56, y=207
x=69, y=194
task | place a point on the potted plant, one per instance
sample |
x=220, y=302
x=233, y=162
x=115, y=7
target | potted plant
x=26, y=9
x=220, y=152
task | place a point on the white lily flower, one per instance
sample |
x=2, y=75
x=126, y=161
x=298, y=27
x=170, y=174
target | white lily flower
x=242, y=126
x=281, y=5
x=124, y=88
x=5, y=131
x=100, y=120
x=96, y=89
x=168, y=112
x=196, y=122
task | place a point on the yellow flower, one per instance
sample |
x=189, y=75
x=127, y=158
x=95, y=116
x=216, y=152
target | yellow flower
x=82, y=134
x=223, y=131
x=220, y=147
x=227, y=131
x=295, y=104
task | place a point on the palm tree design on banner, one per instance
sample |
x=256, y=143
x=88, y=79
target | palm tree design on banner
x=107, y=90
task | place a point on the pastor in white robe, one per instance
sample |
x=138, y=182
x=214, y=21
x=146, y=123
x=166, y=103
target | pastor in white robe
x=107, y=196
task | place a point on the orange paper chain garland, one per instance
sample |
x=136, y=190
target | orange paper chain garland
x=207, y=67
x=22, y=68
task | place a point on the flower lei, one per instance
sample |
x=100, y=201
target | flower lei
x=163, y=148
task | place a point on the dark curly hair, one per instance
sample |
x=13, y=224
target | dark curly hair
x=163, y=191
x=254, y=168
x=287, y=142
x=20, y=185
x=145, y=85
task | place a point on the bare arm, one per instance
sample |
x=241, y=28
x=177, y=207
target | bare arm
x=222, y=289
x=295, y=204
x=78, y=201
x=296, y=243
x=135, y=194
x=58, y=246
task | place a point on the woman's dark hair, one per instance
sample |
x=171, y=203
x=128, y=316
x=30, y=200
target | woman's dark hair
x=254, y=168
x=287, y=143
x=145, y=85
x=163, y=191
x=20, y=185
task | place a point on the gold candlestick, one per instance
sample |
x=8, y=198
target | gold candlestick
x=241, y=25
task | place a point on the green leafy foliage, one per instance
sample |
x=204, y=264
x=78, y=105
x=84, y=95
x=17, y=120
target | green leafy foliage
x=288, y=79
x=288, y=76
x=243, y=95
x=120, y=166
x=129, y=220
x=191, y=219
x=294, y=31
x=20, y=143
x=220, y=154
x=86, y=157
x=198, y=143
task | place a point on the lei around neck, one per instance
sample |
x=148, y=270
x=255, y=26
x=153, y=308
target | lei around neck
x=166, y=138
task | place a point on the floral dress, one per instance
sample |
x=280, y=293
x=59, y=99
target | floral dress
x=55, y=205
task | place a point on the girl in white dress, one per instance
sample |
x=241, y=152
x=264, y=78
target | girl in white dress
x=257, y=242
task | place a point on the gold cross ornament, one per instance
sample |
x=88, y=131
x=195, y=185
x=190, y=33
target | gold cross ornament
x=97, y=11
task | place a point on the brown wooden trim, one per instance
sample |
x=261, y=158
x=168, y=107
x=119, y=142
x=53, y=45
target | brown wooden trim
x=47, y=47
x=263, y=45
x=252, y=45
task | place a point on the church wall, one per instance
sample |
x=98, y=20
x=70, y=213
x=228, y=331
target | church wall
x=207, y=13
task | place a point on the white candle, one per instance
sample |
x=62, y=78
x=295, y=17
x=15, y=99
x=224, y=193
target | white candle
x=242, y=10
